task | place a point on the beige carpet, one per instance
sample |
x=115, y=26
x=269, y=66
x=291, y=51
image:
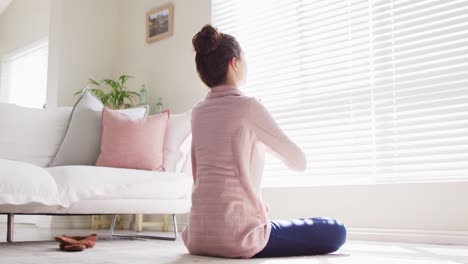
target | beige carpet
x=130, y=251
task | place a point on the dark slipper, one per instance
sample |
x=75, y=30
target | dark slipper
x=66, y=240
x=72, y=248
x=88, y=241
x=81, y=237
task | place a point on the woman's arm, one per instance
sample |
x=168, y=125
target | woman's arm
x=269, y=133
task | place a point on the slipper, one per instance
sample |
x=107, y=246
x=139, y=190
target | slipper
x=72, y=248
x=88, y=241
x=81, y=237
x=66, y=240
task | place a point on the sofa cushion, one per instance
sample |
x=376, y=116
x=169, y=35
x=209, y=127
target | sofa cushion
x=132, y=144
x=178, y=130
x=80, y=146
x=30, y=134
x=186, y=163
x=89, y=183
x=185, y=149
x=24, y=183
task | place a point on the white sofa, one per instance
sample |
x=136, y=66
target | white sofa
x=29, y=140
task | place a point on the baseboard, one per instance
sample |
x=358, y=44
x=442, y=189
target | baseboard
x=410, y=236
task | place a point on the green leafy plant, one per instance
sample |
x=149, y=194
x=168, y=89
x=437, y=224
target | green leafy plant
x=118, y=97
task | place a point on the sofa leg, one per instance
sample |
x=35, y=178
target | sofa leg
x=10, y=227
x=174, y=221
x=145, y=236
x=114, y=219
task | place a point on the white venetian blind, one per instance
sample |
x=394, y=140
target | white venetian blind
x=23, y=78
x=373, y=91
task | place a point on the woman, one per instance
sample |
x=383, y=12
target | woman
x=228, y=217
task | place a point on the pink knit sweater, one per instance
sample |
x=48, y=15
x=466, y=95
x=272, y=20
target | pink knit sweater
x=228, y=217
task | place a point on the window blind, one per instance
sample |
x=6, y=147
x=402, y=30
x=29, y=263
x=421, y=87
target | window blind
x=373, y=91
x=23, y=79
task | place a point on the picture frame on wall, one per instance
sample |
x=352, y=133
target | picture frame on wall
x=159, y=23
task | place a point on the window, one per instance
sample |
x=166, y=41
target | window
x=373, y=91
x=23, y=78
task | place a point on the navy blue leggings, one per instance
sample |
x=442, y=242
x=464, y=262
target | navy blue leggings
x=303, y=236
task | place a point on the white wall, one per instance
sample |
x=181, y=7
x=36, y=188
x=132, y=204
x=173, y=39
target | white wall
x=106, y=38
x=22, y=23
x=82, y=40
x=167, y=67
x=83, y=44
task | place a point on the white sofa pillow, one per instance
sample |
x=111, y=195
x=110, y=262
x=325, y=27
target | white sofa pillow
x=186, y=164
x=30, y=134
x=23, y=183
x=185, y=148
x=81, y=144
x=178, y=130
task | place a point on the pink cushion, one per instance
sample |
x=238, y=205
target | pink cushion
x=132, y=144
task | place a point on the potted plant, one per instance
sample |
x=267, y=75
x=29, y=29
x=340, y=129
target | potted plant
x=118, y=97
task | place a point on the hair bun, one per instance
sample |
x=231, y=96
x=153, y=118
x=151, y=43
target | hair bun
x=207, y=40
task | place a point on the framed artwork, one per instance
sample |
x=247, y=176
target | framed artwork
x=159, y=23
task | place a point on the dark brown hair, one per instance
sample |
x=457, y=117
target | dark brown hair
x=214, y=50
